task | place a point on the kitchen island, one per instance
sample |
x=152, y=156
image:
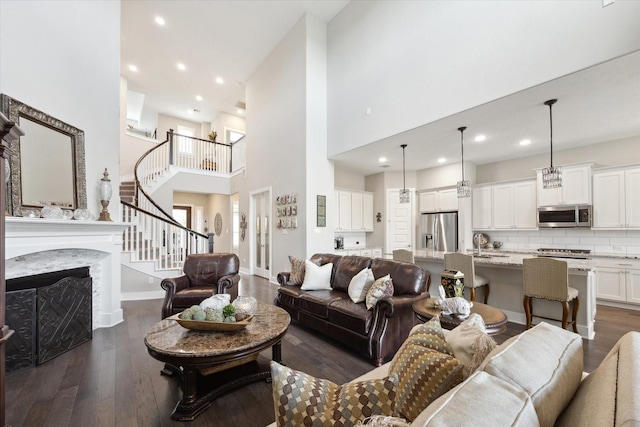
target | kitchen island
x=504, y=271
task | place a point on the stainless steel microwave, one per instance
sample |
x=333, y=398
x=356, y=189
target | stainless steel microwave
x=574, y=216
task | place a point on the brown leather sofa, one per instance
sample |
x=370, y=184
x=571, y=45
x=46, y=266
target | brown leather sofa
x=377, y=333
x=204, y=275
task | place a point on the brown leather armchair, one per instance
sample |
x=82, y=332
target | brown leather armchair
x=204, y=275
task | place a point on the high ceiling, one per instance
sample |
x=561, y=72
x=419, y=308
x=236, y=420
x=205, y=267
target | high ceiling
x=227, y=39
x=230, y=39
x=599, y=104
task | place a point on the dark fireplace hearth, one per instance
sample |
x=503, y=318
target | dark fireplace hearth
x=51, y=314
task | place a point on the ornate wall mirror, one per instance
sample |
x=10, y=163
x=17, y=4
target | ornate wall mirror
x=47, y=163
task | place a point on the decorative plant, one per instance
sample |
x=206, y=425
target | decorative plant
x=213, y=135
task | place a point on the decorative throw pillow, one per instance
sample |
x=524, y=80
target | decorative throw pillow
x=316, y=277
x=383, y=287
x=300, y=399
x=360, y=284
x=297, y=270
x=470, y=343
x=424, y=374
x=430, y=335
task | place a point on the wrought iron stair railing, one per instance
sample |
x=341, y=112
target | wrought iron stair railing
x=154, y=235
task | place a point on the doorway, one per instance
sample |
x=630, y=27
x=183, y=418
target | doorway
x=260, y=232
x=399, y=221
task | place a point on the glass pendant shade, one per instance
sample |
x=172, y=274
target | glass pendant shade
x=464, y=186
x=404, y=193
x=551, y=176
x=404, y=196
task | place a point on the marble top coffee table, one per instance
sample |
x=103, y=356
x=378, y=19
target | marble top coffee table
x=211, y=364
x=495, y=321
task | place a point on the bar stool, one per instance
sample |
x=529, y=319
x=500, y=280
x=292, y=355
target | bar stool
x=464, y=263
x=403, y=255
x=548, y=278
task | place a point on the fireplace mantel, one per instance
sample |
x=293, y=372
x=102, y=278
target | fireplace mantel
x=37, y=245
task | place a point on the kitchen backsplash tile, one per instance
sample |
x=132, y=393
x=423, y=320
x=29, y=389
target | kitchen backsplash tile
x=618, y=242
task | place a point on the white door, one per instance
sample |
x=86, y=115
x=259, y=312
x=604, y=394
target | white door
x=260, y=233
x=400, y=233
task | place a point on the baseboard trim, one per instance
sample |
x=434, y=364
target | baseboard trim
x=138, y=296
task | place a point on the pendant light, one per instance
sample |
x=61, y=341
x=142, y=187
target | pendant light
x=551, y=176
x=464, y=186
x=404, y=193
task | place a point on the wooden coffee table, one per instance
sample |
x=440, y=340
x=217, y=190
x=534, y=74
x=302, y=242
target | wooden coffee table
x=211, y=364
x=495, y=321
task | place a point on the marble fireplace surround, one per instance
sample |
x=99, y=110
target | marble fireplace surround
x=37, y=245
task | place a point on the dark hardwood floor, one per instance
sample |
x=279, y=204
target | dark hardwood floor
x=112, y=381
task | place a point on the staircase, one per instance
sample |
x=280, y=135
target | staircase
x=127, y=191
x=154, y=235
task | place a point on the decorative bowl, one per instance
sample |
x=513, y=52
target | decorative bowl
x=67, y=214
x=51, y=212
x=206, y=325
x=30, y=213
x=82, y=214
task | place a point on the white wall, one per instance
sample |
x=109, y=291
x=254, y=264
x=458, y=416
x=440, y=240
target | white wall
x=227, y=121
x=63, y=58
x=166, y=122
x=347, y=179
x=416, y=62
x=276, y=133
x=611, y=153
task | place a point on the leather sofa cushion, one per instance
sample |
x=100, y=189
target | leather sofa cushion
x=201, y=270
x=350, y=265
x=317, y=302
x=351, y=316
x=408, y=279
x=556, y=363
x=288, y=295
x=482, y=400
x=191, y=296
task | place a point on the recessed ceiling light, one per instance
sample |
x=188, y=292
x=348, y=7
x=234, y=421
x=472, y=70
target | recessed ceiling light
x=219, y=80
x=525, y=142
x=181, y=66
x=480, y=138
x=442, y=160
x=190, y=111
x=240, y=111
x=198, y=98
x=133, y=68
x=159, y=20
x=382, y=159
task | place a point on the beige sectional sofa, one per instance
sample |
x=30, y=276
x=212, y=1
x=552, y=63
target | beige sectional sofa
x=536, y=379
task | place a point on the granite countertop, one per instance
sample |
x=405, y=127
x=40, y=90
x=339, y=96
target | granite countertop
x=514, y=259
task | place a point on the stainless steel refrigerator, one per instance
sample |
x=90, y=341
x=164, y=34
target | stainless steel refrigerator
x=439, y=231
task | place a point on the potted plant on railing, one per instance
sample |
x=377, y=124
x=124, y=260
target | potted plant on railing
x=213, y=135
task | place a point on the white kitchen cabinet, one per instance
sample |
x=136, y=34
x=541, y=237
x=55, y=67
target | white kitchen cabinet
x=343, y=222
x=505, y=206
x=482, y=209
x=618, y=284
x=367, y=212
x=365, y=252
x=575, y=190
x=616, y=199
x=524, y=205
x=376, y=253
x=610, y=284
x=502, y=206
x=439, y=200
x=355, y=211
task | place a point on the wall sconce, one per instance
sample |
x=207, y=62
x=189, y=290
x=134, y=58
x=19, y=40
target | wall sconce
x=105, y=196
x=379, y=217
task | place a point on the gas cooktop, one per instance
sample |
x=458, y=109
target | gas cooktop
x=565, y=253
